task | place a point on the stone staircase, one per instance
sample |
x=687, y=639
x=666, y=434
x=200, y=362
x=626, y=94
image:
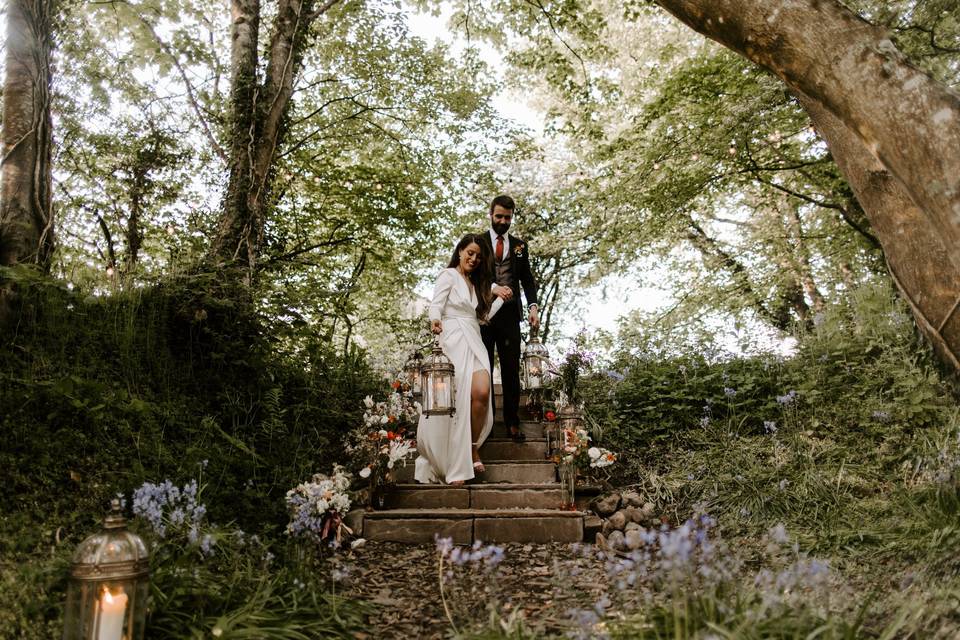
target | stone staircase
x=517, y=499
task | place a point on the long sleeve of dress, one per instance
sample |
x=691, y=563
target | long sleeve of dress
x=494, y=307
x=441, y=291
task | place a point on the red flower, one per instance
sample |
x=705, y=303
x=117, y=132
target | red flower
x=395, y=384
x=550, y=416
x=391, y=435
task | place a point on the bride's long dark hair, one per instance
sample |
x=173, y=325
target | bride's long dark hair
x=482, y=276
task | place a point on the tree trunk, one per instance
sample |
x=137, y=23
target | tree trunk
x=235, y=236
x=26, y=217
x=894, y=133
x=916, y=255
x=719, y=258
x=258, y=123
x=802, y=268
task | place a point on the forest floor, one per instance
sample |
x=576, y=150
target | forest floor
x=541, y=585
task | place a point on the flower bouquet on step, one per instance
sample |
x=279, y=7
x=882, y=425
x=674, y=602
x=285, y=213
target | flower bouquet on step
x=317, y=508
x=382, y=441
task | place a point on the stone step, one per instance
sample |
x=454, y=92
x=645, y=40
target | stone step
x=521, y=412
x=524, y=394
x=474, y=496
x=522, y=472
x=537, y=471
x=532, y=429
x=464, y=526
x=506, y=449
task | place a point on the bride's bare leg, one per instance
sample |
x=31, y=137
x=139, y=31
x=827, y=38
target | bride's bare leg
x=479, y=405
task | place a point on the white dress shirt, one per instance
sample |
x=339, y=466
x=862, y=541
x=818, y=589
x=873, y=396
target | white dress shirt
x=493, y=243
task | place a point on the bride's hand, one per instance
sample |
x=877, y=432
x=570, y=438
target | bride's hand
x=436, y=326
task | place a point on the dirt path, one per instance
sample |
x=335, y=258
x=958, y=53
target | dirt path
x=541, y=583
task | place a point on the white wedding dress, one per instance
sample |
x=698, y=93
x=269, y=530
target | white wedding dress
x=443, y=442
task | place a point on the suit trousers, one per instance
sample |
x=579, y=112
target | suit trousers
x=503, y=335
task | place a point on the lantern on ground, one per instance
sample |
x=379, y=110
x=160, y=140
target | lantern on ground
x=109, y=582
x=536, y=360
x=569, y=420
x=436, y=383
x=411, y=374
x=569, y=417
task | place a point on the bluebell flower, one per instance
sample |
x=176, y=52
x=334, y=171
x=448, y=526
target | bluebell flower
x=788, y=398
x=206, y=544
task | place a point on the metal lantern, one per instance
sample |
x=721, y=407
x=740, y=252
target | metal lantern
x=569, y=417
x=536, y=361
x=109, y=583
x=411, y=374
x=437, y=383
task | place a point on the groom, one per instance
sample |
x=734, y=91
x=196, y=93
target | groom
x=511, y=268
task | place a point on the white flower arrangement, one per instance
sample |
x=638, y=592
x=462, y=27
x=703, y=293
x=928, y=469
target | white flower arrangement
x=316, y=507
x=600, y=457
x=382, y=441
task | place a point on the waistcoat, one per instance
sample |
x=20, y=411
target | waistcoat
x=505, y=276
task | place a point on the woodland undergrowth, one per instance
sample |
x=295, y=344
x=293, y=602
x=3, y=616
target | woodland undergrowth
x=182, y=380
x=849, y=449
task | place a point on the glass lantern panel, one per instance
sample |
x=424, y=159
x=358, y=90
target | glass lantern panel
x=106, y=609
x=438, y=396
x=534, y=371
x=416, y=386
x=441, y=388
x=412, y=375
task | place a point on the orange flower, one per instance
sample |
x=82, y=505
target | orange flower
x=391, y=418
x=391, y=435
x=396, y=384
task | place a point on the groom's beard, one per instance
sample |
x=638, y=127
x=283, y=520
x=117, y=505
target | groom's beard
x=499, y=228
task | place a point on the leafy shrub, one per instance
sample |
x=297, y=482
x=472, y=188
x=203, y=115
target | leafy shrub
x=101, y=393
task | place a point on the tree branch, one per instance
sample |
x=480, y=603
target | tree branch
x=190, y=94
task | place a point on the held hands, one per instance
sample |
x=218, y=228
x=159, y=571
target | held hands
x=436, y=326
x=506, y=293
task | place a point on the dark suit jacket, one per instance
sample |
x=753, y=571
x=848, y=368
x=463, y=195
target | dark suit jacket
x=520, y=258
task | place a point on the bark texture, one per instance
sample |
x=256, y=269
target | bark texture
x=893, y=131
x=258, y=122
x=916, y=256
x=26, y=218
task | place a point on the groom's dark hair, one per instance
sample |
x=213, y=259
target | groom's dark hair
x=504, y=201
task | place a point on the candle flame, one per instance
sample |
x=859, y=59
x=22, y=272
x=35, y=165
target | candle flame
x=109, y=596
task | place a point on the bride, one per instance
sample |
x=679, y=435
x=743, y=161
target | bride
x=448, y=447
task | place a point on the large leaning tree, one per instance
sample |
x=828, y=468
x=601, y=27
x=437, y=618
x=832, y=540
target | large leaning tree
x=893, y=131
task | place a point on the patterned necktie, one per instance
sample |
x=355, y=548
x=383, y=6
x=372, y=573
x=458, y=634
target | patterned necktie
x=499, y=248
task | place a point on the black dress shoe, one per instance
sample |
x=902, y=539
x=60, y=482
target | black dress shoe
x=517, y=434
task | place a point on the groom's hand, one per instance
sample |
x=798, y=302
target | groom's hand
x=534, y=317
x=504, y=292
x=436, y=326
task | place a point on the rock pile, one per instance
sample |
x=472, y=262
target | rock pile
x=624, y=516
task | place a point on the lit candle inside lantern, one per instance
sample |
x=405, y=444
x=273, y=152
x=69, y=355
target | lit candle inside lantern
x=440, y=393
x=113, y=608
